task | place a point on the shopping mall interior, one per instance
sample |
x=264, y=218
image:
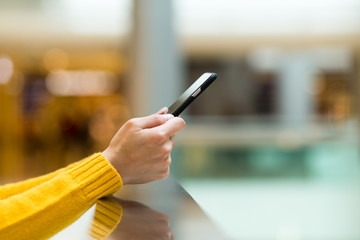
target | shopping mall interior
x=269, y=151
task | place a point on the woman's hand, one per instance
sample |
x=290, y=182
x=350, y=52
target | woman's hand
x=140, y=150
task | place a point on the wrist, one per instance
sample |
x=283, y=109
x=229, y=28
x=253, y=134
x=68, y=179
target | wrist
x=114, y=160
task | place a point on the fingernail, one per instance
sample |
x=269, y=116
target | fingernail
x=167, y=116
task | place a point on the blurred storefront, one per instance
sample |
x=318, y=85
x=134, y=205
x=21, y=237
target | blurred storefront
x=66, y=77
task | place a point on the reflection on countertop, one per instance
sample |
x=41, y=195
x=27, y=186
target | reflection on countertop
x=107, y=216
x=158, y=210
x=138, y=221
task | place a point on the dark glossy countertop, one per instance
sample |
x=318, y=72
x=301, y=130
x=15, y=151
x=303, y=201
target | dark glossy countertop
x=158, y=210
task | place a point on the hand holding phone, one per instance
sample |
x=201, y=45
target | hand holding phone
x=192, y=93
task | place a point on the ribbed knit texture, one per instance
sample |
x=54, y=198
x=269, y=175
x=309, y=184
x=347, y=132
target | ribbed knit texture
x=40, y=207
x=108, y=214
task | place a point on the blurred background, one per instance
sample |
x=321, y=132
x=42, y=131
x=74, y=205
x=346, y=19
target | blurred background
x=270, y=151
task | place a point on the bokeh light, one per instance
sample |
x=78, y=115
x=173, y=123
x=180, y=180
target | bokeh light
x=6, y=69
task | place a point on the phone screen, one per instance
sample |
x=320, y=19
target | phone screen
x=192, y=93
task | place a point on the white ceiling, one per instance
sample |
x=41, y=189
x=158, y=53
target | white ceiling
x=270, y=17
x=193, y=18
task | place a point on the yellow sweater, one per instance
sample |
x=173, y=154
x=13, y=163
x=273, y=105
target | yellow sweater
x=40, y=207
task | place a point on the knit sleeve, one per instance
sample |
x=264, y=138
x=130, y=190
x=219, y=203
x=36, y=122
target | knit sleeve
x=59, y=199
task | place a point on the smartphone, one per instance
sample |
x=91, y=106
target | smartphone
x=192, y=93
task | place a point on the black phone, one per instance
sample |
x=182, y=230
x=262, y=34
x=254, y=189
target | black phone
x=192, y=93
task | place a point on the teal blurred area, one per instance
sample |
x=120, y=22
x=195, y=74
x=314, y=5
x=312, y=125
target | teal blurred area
x=270, y=150
x=277, y=184
x=266, y=151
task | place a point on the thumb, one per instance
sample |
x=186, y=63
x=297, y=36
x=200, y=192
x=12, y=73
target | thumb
x=154, y=120
x=163, y=110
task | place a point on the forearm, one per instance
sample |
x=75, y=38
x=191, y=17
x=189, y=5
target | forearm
x=47, y=208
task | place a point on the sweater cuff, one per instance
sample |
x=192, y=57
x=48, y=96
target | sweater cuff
x=96, y=176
